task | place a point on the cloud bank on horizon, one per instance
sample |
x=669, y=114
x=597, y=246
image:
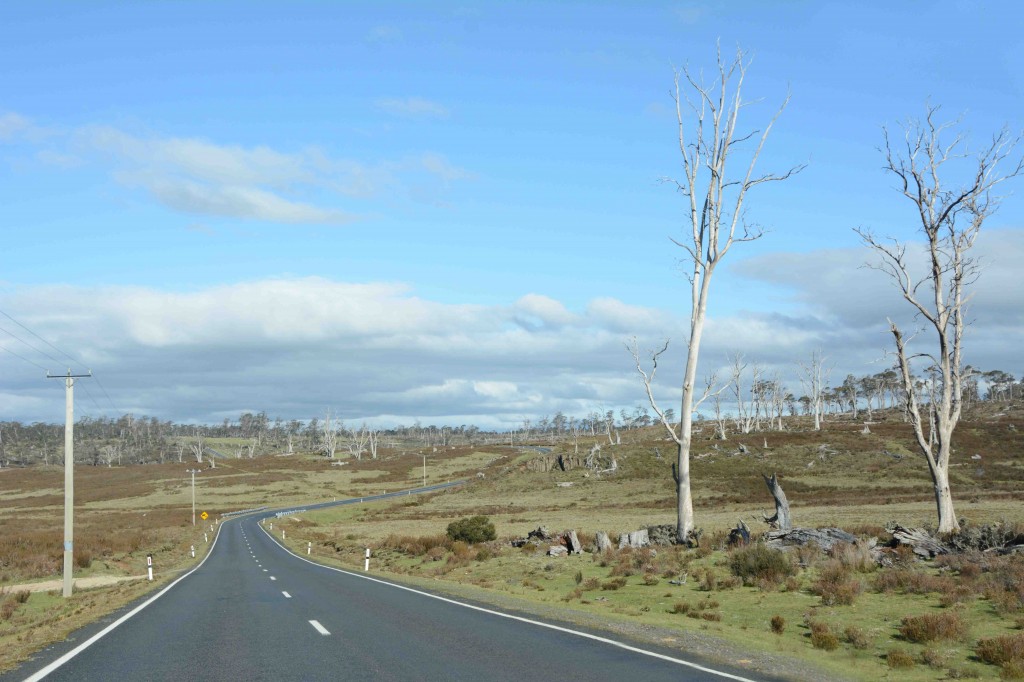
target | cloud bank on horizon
x=377, y=352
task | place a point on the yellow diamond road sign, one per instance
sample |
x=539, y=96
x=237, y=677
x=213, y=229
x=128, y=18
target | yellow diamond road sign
x=204, y=516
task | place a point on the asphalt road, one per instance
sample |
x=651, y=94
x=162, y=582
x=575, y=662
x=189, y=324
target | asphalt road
x=254, y=611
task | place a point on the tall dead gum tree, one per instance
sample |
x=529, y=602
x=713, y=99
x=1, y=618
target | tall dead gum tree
x=950, y=218
x=716, y=221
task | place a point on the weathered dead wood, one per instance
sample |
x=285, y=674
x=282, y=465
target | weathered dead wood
x=638, y=538
x=602, y=541
x=825, y=538
x=573, y=543
x=740, y=535
x=781, y=520
x=541, y=533
x=921, y=541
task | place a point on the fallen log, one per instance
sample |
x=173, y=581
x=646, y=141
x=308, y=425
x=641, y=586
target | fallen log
x=826, y=538
x=921, y=541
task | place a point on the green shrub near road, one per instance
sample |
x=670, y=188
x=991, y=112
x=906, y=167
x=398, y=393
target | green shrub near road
x=472, y=529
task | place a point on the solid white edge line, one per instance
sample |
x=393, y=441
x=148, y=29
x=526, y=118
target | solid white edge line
x=558, y=628
x=319, y=628
x=43, y=672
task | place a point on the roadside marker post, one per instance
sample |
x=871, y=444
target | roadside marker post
x=282, y=535
x=193, y=550
x=205, y=538
x=149, y=565
x=309, y=547
x=366, y=566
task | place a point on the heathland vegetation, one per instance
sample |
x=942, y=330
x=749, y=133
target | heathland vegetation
x=805, y=612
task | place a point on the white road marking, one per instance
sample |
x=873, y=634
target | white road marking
x=42, y=673
x=273, y=578
x=319, y=628
x=549, y=626
x=286, y=595
x=264, y=570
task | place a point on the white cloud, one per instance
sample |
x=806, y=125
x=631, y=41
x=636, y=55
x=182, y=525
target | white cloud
x=296, y=346
x=240, y=202
x=200, y=177
x=13, y=126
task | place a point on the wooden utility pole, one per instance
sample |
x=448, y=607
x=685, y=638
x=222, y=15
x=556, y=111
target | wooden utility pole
x=69, y=473
x=193, y=472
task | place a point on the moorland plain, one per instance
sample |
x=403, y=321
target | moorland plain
x=838, y=616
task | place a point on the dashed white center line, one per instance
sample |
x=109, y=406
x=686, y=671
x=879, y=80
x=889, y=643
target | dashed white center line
x=286, y=595
x=264, y=570
x=319, y=628
x=273, y=578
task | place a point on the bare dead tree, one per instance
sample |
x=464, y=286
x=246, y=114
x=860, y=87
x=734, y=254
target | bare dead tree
x=328, y=436
x=814, y=377
x=715, y=213
x=372, y=438
x=197, y=447
x=357, y=442
x=951, y=216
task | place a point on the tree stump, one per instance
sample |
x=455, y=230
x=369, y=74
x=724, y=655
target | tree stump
x=573, y=543
x=781, y=519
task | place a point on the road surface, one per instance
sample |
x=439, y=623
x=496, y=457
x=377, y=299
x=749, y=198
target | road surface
x=255, y=611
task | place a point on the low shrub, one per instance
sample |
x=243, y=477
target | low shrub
x=575, y=594
x=83, y=558
x=856, y=637
x=472, y=529
x=899, y=658
x=680, y=607
x=835, y=586
x=760, y=564
x=409, y=544
x=933, y=658
x=856, y=557
x=822, y=636
x=650, y=579
x=778, y=624
x=1012, y=670
x=912, y=581
x=933, y=627
x=1000, y=650
x=613, y=584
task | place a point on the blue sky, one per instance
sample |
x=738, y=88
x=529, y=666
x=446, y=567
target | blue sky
x=489, y=174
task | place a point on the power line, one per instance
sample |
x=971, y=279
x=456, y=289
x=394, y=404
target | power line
x=23, y=358
x=106, y=394
x=43, y=353
x=50, y=357
x=77, y=362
